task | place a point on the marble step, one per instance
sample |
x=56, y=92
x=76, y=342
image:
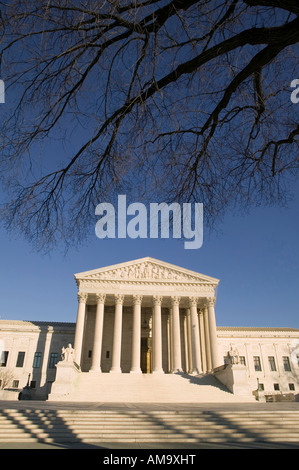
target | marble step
x=150, y=426
x=141, y=388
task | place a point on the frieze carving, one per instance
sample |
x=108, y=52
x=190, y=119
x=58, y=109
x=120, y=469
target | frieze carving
x=92, y=285
x=144, y=271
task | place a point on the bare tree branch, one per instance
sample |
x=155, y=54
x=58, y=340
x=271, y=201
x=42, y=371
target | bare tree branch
x=180, y=100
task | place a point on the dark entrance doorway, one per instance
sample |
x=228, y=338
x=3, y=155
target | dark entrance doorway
x=146, y=355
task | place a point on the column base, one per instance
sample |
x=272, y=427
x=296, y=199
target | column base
x=158, y=371
x=195, y=372
x=95, y=369
x=136, y=371
x=115, y=371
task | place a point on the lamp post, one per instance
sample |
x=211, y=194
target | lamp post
x=28, y=381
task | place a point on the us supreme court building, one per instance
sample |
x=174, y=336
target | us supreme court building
x=146, y=331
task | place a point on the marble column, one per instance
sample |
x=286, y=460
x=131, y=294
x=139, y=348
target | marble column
x=136, y=335
x=117, y=333
x=202, y=340
x=157, y=335
x=213, y=333
x=169, y=340
x=82, y=299
x=48, y=340
x=176, y=335
x=207, y=339
x=98, y=334
x=186, y=342
x=189, y=344
x=196, y=359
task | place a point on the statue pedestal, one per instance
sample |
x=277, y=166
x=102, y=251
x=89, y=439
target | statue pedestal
x=66, y=374
x=234, y=377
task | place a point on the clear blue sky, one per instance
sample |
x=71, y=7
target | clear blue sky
x=256, y=258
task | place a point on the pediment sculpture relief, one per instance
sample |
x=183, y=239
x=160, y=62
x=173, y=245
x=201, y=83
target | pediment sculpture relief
x=144, y=271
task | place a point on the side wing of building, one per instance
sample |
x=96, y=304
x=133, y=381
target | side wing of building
x=271, y=356
x=29, y=351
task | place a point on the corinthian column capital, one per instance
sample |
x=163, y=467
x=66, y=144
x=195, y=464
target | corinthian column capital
x=82, y=297
x=100, y=298
x=193, y=301
x=175, y=301
x=211, y=301
x=119, y=299
x=157, y=299
x=137, y=299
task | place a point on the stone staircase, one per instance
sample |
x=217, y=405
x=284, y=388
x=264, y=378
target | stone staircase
x=149, y=388
x=64, y=426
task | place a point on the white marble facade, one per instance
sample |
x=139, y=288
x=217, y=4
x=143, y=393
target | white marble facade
x=145, y=316
x=151, y=317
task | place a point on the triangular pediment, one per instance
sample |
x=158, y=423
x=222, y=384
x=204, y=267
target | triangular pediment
x=146, y=269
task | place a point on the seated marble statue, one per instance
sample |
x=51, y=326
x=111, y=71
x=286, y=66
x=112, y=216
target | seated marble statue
x=67, y=354
x=233, y=355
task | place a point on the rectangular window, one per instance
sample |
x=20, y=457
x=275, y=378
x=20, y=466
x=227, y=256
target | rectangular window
x=15, y=384
x=37, y=360
x=261, y=387
x=272, y=363
x=286, y=363
x=292, y=387
x=3, y=358
x=20, y=360
x=53, y=360
x=276, y=387
x=242, y=360
x=257, y=363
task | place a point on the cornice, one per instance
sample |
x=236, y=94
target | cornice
x=145, y=282
x=21, y=325
x=256, y=328
x=261, y=332
x=9, y=325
